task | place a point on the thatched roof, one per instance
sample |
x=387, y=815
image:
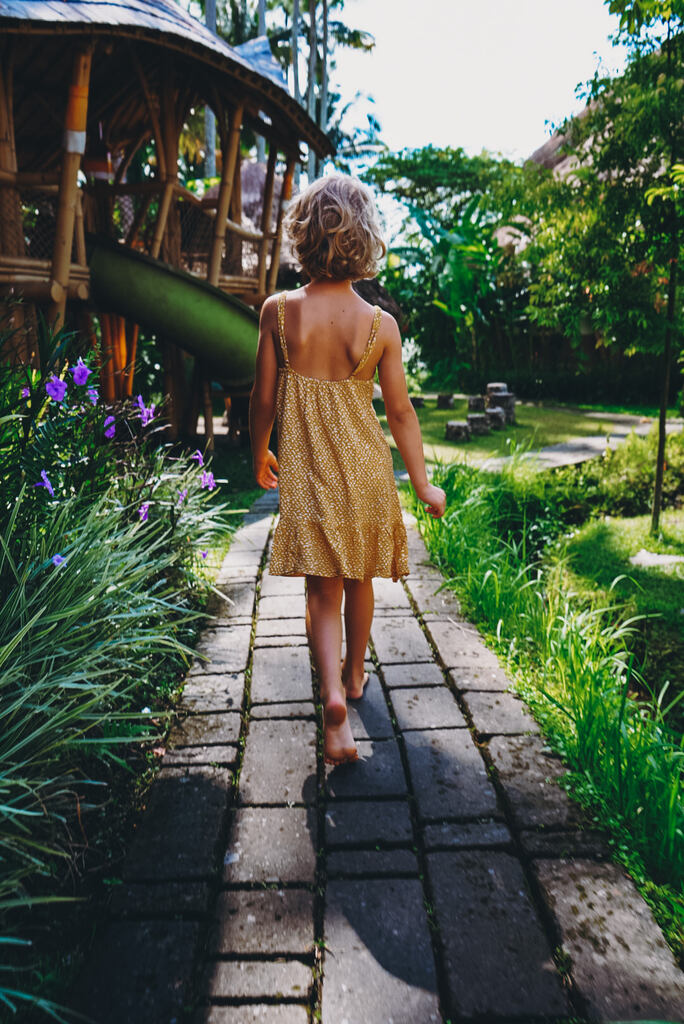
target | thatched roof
x=159, y=31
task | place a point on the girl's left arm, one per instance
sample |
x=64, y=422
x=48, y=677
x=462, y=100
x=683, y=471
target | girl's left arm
x=262, y=402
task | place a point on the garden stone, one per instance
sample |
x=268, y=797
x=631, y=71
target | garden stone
x=427, y=708
x=417, y=401
x=408, y=675
x=507, y=403
x=472, y=677
x=388, y=594
x=138, y=972
x=498, y=713
x=281, y=628
x=271, y=844
x=276, y=921
x=223, y=650
x=281, y=606
x=477, y=421
x=369, y=717
x=528, y=775
x=280, y=641
x=362, y=863
x=203, y=729
x=293, y=709
x=457, y=430
x=473, y=835
x=378, y=772
x=551, y=843
x=240, y=603
x=476, y=403
x=234, y=573
x=399, y=640
x=448, y=775
x=498, y=960
x=178, y=833
x=250, y=979
x=247, y=1013
x=136, y=899
x=280, y=757
x=281, y=674
x=496, y=417
x=445, y=401
x=497, y=388
x=272, y=586
x=459, y=644
x=187, y=756
x=432, y=603
x=213, y=693
x=361, y=822
x=379, y=964
x=620, y=961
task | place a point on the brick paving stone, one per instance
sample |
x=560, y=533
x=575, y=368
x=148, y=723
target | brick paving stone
x=473, y=677
x=241, y=595
x=281, y=606
x=262, y=921
x=620, y=961
x=384, y=613
x=177, y=834
x=291, y=709
x=448, y=774
x=136, y=899
x=267, y=1013
x=389, y=594
x=223, y=650
x=206, y=728
x=454, y=835
x=291, y=586
x=361, y=863
x=281, y=674
x=432, y=603
x=213, y=754
x=378, y=772
x=271, y=844
x=399, y=640
x=280, y=642
x=232, y=573
x=138, y=972
x=498, y=960
x=214, y=693
x=578, y=843
x=427, y=708
x=378, y=962
x=280, y=757
x=498, y=713
x=407, y=675
x=251, y=979
x=528, y=774
x=281, y=628
x=458, y=644
x=369, y=717
x=360, y=822
x=240, y=557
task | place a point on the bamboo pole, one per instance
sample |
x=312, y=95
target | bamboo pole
x=285, y=195
x=225, y=195
x=74, y=147
x=266, y=213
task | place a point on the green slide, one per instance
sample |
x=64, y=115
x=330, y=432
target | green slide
x=216, y=327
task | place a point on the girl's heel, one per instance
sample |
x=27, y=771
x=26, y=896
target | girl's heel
x=334, y=713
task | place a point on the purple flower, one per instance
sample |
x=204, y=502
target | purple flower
x=92, y=395
x=143, y=511
x=26, y=392
x=208, y=480
x=58, y=559
x=200, y=458
x=80, y=372
x=110, y=426
x=56, y=388
x=46, y=483
x=182, y=495
x=146, y=414
x=204, y=554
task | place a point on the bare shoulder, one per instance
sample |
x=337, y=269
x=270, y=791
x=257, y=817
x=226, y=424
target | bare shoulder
x=388, y=332
x=269, y=311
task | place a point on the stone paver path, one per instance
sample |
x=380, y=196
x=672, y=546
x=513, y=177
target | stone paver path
x=445, y=877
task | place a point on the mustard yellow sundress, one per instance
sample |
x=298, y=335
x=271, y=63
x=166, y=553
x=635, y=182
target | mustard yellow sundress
x=339, y=508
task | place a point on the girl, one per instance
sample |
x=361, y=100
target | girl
x=340, y=519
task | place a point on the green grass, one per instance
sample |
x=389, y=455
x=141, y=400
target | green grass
x=536, y=427
x=599, y=553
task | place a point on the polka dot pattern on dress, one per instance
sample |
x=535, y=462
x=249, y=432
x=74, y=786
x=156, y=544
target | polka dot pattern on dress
x=339, y=508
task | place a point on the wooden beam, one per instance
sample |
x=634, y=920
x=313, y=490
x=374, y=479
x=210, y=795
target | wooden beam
x=285, y=196
x=74, y=147
x=266, y=213
x=225, y=194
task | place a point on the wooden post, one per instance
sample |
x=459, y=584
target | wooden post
x=285, y=195
x=74, y=147
x=229, y=164
x=266, y=214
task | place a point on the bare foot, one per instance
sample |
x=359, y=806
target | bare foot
x=354, y=684
x=338, y=742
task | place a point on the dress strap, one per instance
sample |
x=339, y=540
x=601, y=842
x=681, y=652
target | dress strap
x=371, y=342
x=281, y=326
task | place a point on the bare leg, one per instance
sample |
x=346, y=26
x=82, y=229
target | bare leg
x=324, y=629
x=359, y=603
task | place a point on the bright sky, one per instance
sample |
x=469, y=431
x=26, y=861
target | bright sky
x=481, y=74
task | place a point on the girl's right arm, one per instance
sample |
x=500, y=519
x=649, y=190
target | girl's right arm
x=402, y=419
x=262, y=402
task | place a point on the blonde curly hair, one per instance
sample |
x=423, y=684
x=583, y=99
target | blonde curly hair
x=335, y=231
